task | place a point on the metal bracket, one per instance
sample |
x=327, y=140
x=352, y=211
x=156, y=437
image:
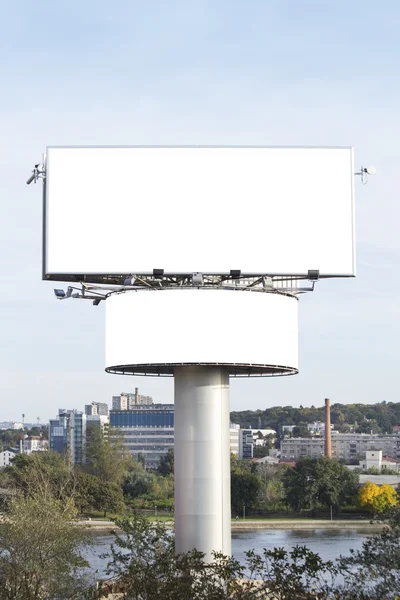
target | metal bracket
x=38, y=172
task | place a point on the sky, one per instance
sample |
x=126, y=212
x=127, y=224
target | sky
x=267, y=72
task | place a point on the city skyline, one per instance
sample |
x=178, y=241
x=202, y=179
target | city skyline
x=209, y=73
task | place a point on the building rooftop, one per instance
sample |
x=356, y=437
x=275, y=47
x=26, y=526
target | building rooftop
x=390, y=459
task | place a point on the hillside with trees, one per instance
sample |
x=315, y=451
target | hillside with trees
x=361, y=418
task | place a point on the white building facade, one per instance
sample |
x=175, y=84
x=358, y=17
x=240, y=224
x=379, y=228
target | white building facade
x=35, y=443
x=374, y=459
x=5, y=458
x=234, y=438
x=345, y=446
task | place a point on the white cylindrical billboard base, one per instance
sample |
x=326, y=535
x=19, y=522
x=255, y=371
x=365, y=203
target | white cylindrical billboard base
x=202, y=460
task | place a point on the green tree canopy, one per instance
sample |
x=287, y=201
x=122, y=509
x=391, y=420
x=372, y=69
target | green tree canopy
x=245, y=485
x=379, y=417
x=321, y=482
x=166, y=466
x=42, y=473
x=106, y=456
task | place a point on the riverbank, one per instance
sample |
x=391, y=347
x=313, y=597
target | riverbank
x=243, y=524
x=249, y=524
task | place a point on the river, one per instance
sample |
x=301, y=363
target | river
x=328, y=543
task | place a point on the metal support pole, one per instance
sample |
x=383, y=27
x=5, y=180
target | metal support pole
x=202, y=460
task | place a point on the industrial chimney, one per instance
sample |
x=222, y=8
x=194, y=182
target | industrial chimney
x=328, y=440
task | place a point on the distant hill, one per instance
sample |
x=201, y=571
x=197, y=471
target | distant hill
x=364, y=418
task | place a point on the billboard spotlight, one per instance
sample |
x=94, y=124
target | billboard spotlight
x=59, y=293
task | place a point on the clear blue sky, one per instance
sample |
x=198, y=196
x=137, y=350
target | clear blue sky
x=284, y=72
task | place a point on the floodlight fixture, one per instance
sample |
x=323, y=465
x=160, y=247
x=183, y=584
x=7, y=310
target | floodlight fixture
x=97, y=301
x=235, y=273
x=158, y=273
x=268, y=282
x=37, y=173
x=313, y=275
x=197, y=278
x=365, y=171
x=371, y=170
x=59, y=293
x=129, y=280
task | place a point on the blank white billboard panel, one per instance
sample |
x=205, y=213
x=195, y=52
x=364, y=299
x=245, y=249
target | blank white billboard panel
x=260, y=210
x=153, y=331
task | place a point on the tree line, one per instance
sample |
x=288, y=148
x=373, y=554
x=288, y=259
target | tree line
x=42, y=558
x=42, y=545
x=111, y=481
x=362, y=418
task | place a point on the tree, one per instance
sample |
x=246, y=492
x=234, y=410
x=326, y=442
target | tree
x=301, y=431
x=109, y=498
x=263, y=450
x=321, y=482
x=166, y=466
x=271, y=495
x=375, y=498
x=260, y=451
x=107, y=457
x=87, y=491
x=139, y=483
x=245, y=486
x=40, y=550
x=42, y=473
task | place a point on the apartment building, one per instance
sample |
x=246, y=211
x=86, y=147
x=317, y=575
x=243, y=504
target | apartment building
x=345, y=446
x=128, y=401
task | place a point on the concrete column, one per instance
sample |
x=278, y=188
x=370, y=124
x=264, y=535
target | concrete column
x=328, y=435
x=202, y=460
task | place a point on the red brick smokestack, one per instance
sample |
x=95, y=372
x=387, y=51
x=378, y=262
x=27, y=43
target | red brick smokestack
x=328, y=436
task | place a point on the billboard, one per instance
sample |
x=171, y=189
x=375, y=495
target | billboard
x=260, y=210
x=151, y=332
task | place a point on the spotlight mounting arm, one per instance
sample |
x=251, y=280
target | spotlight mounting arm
x=364, y=172
x=38, y=172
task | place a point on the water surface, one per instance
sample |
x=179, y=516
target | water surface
x=328, y=543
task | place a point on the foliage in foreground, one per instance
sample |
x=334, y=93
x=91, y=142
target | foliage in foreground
x=144, y=562
x=374, y=571
x=40, y=555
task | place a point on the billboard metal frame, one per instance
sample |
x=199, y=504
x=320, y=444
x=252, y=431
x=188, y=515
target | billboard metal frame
x=186, y=278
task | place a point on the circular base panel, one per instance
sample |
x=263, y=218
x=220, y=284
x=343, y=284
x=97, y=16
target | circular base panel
x=234, y=370
x=246, y=333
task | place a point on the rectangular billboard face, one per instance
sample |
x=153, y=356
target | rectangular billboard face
x=260, y=210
